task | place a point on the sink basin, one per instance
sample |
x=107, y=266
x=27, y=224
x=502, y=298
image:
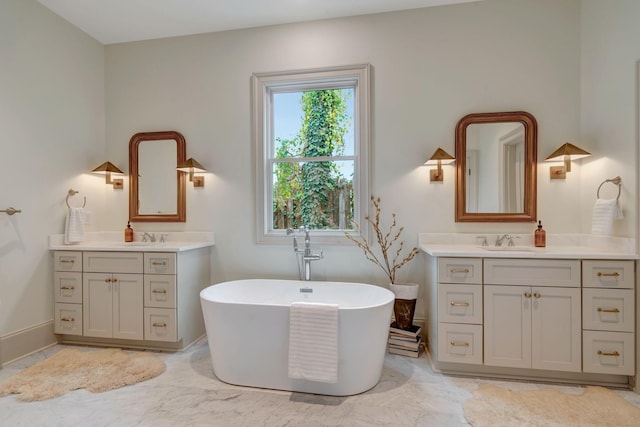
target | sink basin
x=508, y=248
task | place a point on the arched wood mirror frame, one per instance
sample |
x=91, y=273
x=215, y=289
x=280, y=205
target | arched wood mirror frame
x=135, y=215
x=528, y=213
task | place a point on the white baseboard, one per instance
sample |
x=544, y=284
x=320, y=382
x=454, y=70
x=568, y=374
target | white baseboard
x=27, y=341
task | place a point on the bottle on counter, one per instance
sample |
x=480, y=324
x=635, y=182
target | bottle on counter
x=128, y=233
x=540, y=236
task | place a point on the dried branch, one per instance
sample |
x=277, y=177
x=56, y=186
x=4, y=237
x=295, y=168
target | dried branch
x=385, y=241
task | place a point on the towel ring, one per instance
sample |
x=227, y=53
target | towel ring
x=617, y=181
x=71, y=193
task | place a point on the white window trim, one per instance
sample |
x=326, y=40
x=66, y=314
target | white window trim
x=262, y=86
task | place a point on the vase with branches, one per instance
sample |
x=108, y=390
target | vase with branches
x=390, y=258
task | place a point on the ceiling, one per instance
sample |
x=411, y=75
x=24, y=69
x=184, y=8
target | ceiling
x=117, y=21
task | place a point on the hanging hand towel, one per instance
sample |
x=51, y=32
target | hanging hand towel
x=605, y=211
x=313, y=342
x=74, y=226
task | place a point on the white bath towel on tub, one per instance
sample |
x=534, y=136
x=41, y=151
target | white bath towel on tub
x=313, y=342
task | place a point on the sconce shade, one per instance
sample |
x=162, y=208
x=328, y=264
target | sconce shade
x=107, y=167
x=567, y=149
x=566, y=153
x=191, y=166
x=440, y=156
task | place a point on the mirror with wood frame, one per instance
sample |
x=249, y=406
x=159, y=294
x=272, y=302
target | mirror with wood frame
x=156, y=188
x=496, y=155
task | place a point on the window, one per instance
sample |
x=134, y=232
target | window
x=311, y=131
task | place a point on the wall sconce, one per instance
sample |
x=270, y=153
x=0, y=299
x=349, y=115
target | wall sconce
x=191, y=166
x=567, y=152
x=439, y=158
x=108, y=168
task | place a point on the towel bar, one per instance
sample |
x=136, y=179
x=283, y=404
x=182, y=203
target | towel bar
x=73, y=192
x=11, y=211
x=617, y=181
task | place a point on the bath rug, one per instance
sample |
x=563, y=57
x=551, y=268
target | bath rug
x=71, y=369
x=597, y=406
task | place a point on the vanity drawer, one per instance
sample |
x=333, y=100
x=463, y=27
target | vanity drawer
x=460, y=270
x=532, y=272
x=459, y=303
x=160, y=324
x=68, y=319
x=67, y=287
x=67, y=261
x=159, y=263
x=112, y=262
x=608, y=352
x=608, y=309
x=608, y=274
x=160, y=290
x=460, y=343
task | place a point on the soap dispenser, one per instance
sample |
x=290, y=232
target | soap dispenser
x=540, y=236
x=128, y=233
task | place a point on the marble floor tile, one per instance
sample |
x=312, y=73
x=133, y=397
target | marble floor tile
x=188, y=394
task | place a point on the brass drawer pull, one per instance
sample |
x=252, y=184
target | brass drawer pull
x=159, y=325
x=107, y=280
x=605, y=353
x=159, y=291
x=459, y=270
x=459, y=344
x=601, y=274
x=67, y=261
x=459, y=304
x=608, y=310
x=67, y=288
x=537, y=295
x=67, y=319
x=527, y=294
x=159, y=263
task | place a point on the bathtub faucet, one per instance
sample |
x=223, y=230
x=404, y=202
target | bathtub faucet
x=305, y=256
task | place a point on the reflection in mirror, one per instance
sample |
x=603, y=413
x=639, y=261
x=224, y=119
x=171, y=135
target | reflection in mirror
x=496, y=167
x=157, y=190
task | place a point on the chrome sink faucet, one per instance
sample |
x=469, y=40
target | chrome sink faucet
x=152, y=237
x=500, y=239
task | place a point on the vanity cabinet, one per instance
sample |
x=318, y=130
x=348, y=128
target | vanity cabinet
x=553, y=319
x=141, y=299
x=113, y=295
x=530, y=321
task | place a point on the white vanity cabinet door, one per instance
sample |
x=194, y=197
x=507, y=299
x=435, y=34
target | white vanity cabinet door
x=608, y=352
x=159, y=263
x=507, y=326
x=556, y=329
x=460, y=270
x=532, y=327
x=608, y=309
x=113, y=305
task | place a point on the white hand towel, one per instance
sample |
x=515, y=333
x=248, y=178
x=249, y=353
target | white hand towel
x=313, y=342
x=74, y=226
x=605, y=211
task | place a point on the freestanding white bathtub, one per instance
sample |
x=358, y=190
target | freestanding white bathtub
x=247, y=324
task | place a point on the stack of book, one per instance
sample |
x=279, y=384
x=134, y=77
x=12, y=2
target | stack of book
x=405, y=342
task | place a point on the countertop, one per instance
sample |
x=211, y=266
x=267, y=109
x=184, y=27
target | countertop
x=108, y=242
x=558, y=247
